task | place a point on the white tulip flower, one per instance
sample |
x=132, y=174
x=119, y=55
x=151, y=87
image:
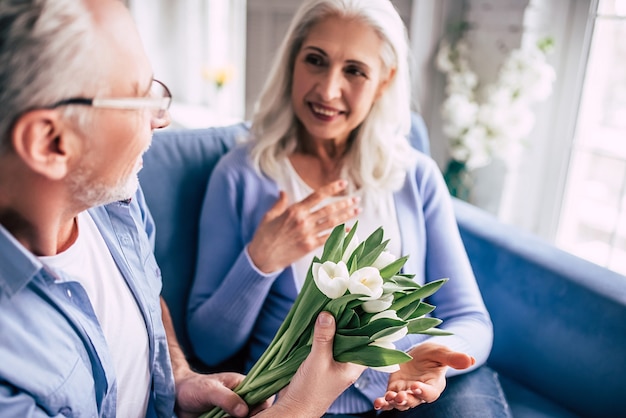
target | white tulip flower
x=366, y=281
x=384, y=259
x=331, y=279
x=391, y=338
x=378, y=305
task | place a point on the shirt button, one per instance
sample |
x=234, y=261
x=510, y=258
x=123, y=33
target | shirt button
x=362, y=382
x=69, y=293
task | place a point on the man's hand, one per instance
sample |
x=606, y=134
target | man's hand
x=197, y=393
x=319, y=380
x=423, y=379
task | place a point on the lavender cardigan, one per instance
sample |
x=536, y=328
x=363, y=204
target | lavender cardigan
x=233, y=306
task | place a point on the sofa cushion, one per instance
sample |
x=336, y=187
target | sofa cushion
x=174, y=178
x=525, y=403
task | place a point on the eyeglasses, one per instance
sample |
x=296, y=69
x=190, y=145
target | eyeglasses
x=158, y=101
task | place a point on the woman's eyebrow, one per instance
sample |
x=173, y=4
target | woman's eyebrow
x=316, y=49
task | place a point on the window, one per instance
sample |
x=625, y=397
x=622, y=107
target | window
x=593, y=216
x=188, y=43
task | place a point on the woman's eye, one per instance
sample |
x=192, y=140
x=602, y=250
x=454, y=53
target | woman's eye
x=313, y=59
x=356, y=71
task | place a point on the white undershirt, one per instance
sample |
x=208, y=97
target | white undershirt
x=90, y=262
x=371, y=218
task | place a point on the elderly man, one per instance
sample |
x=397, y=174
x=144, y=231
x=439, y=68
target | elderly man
x=83, y=330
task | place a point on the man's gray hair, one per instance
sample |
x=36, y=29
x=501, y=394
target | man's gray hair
x=44, y=56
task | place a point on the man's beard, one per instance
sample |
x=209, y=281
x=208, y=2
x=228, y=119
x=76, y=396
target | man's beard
x=90, y=193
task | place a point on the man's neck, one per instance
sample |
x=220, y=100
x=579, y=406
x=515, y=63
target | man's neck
x=43, y=237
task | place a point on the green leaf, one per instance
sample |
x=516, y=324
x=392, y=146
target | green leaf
x=286, y=368
x=374, y=327
x=301, y=317
x=373, y=241
x=415, y=310
x=345, y=343
x=387, y=331
x=353, y=261
x=347, y=319
x=348, y=238
x=436, y=332
x=403, y=283
x=369, y=257
x=419, y=325
x=393, y=268
x=336, y=306
x=406, y=312
x=413, y=297
x=423, y=309
x=333, y=248
x=374, y=356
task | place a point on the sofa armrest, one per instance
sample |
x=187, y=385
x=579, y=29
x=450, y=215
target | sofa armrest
x=559, y=320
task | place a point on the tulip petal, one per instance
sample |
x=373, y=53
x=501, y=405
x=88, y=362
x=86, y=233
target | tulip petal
x=366, y=281
x=378, y=305
x=330, y=278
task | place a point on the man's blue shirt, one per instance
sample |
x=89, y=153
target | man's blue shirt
x=54, y=360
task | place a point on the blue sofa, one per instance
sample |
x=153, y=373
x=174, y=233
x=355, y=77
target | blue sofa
x=560, y=321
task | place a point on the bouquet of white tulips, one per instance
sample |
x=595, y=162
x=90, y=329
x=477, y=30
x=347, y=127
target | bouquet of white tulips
x=374, y=305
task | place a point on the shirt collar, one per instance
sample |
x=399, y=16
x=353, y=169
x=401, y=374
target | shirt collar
x=18, y=266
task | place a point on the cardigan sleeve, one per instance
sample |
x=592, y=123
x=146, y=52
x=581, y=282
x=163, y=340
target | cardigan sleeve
x=458, y=302
x=228, y=291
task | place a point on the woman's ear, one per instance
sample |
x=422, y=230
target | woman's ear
x=384, y=82
x=37, y=138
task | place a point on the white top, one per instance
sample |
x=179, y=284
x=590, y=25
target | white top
x=89, y=262
x=371, y=217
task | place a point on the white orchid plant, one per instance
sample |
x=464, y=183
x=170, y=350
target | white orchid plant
x=373, y=303
x=486, y=121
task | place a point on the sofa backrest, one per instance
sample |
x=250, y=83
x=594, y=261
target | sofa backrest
x=174, y=178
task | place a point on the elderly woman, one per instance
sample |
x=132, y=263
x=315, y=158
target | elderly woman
x=328, y=145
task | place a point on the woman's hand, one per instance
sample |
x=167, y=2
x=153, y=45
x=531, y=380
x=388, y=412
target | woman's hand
x=423, y=379
x=288, y=233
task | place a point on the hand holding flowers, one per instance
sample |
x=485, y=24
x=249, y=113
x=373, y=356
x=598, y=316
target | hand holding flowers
x=373, y=303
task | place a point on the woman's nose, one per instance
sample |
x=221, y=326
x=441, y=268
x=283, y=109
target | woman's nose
x=330, y=84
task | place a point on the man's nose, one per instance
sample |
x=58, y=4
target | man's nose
x=161, y=121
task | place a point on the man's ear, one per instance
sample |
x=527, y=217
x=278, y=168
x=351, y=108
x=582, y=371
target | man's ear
x=37, y=137
x=384, y=83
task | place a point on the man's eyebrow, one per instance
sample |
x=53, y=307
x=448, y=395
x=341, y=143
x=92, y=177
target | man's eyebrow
x=142, y=91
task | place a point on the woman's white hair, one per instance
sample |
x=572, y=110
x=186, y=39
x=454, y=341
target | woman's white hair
x=44, y=51
x=380, y=153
